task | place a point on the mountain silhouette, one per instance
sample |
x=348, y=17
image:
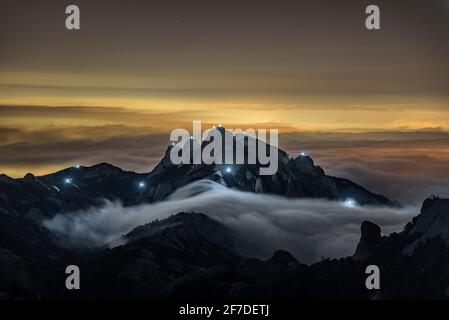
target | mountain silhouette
x=81, y=187
x=190, y=254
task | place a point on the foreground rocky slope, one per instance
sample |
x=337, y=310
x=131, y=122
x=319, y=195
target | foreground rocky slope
x=190, y=255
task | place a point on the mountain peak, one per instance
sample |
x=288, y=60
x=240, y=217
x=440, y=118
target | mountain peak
x=434, y=218
x=105, y=166
x=184, y=222
x=305, y=163
x=6, y=179
x=29, y=177
x=80, y=187
x=432, y=201
x=283, y=257
x=370, y=237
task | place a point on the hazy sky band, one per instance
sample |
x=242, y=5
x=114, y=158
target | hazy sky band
x=304, y=65
x=318, y=47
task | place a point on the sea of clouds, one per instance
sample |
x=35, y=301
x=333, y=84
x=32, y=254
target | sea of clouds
x=309, y=229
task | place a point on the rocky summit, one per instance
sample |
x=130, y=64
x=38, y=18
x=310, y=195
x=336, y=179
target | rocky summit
x=80, y=187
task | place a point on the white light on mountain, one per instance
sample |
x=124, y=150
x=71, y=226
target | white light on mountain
x=349, y=203
x=141, y=185
x=228, y=170
x=77, y=166
x=303, y=154
x=68, y=180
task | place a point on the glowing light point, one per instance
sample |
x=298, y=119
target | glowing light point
x=219, y=125
x=77, y=166
x=215, y=127
x=349, y=203
x=303, y=154
x=191, y=137
x=68, y=180
x=228, y=170
x=172, y=143
x=141, y=185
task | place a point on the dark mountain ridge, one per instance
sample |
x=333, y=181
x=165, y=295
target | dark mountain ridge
x=190, y=255
x=417, y=273
x=82, y=187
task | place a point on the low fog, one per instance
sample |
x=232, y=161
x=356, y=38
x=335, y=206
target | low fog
x=309, y=229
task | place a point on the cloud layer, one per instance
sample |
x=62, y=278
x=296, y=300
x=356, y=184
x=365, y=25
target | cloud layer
x=309, y=229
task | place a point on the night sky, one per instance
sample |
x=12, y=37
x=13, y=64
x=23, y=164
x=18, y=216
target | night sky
x=369, y=105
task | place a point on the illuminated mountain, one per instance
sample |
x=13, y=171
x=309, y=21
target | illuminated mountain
x=82, y=187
